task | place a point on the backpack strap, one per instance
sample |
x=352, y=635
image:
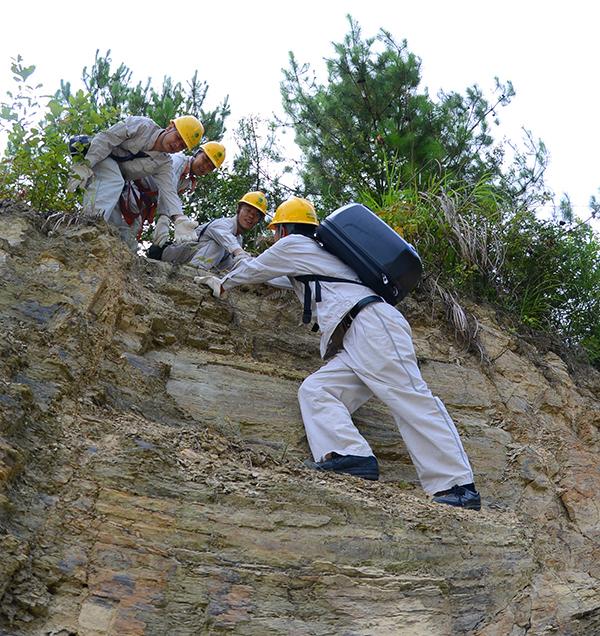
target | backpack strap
x=316, y=278
x=204, y=229
x=128, y=157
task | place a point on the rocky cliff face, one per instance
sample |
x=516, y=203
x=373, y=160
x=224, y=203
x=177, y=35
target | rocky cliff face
x=151, y=477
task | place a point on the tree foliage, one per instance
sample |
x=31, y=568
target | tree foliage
x=543, y=273
x=433, y=171
x=36, y=165
x=36, y=161
x=372, y=109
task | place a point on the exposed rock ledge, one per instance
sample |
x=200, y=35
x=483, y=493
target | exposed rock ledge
x=151, y=479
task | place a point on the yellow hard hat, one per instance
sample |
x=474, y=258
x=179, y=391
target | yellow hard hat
x=257, y=200
x=215, y=152
x=295, y=210
x=190, y=129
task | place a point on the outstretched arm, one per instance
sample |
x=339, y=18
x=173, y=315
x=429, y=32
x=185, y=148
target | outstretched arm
x=288, y=257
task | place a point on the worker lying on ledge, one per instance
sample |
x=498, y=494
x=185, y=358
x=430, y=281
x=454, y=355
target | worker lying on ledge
x=218, y=244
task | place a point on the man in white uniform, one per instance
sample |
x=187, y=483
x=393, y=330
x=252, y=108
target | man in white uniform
x=186, y=169
x=375, y=356
x=219, y=243
x=132, y=149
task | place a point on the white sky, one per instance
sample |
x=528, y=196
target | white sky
x=548, y=49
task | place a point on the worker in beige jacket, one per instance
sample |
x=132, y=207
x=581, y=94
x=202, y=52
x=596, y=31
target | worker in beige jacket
x=132, y=149
x=218, y=244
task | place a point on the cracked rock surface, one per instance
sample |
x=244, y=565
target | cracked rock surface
x=151, y=477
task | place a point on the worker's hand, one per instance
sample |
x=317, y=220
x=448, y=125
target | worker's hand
x=184, y=229
x=213, y=282
x=161, y=231
x=81, y=174
x=240, y=255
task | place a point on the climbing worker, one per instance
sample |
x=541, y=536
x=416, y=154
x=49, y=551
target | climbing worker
x=140, y=198
x=219, y=243
x=134, y=148
x=373, y=354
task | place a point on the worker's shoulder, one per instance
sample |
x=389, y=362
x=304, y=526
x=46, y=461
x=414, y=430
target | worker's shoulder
x=138, y=125
x=297, y=244
x=223, y=221
x=179, y=160
x=140, y=120
x=298, y=239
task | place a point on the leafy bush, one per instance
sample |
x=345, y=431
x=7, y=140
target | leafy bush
x=545, y=274
x=372, y=112
x=37, y=163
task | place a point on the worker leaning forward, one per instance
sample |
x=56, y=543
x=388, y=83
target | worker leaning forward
x=375, y=356
x=132, y=149
x=186, y=170
x=218, y=244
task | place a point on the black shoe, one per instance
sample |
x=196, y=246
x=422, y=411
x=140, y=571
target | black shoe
x=365, y=467
x=154, y=252
x=459, y=496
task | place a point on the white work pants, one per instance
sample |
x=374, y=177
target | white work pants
x=378, y=359
x=101, y=199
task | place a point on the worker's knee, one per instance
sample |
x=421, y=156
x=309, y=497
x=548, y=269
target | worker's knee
x=309, y=388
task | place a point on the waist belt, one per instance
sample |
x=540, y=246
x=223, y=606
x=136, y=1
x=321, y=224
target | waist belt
x=360, y=305
x=337, y=337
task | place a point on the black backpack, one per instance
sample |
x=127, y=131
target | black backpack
x=381, y=258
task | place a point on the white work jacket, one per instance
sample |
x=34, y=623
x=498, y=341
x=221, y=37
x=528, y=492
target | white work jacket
x=217, y=243
x=298, y=255
x=130, y=136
